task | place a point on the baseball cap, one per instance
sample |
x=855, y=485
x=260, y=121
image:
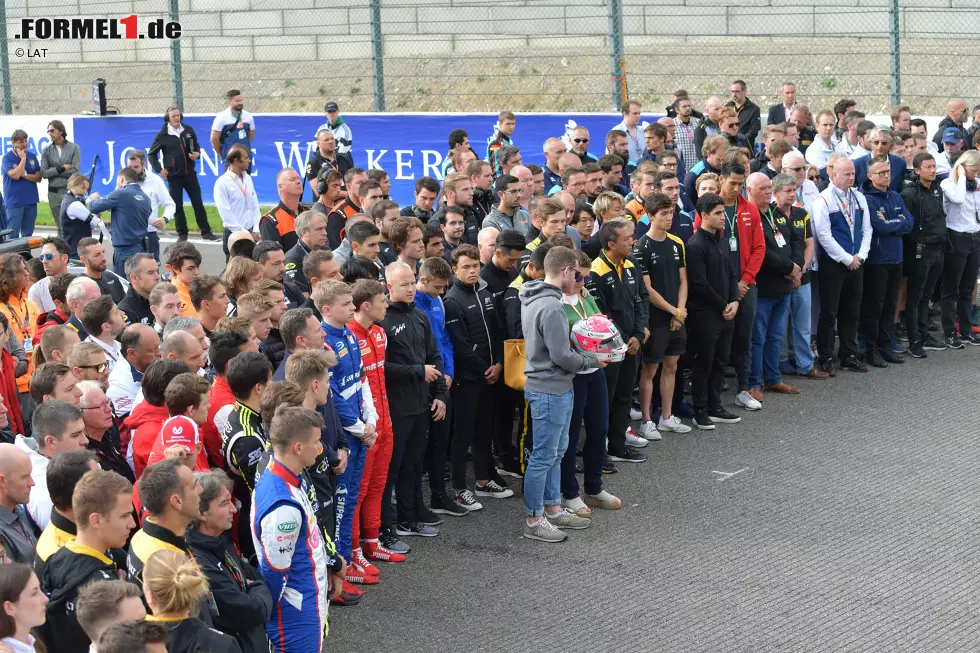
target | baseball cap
x=180, y=429
x=331, y=106
x=952, y=135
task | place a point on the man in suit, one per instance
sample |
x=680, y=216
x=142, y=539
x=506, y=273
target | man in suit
x=784, y=110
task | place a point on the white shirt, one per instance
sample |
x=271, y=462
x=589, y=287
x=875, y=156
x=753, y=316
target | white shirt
x=832, y=200
x=40, y=294
x=845, y=147
x=18, y=646
x=789, y=111
x=113, y=353
x=818, y=152
x=155, y=188
x=122, y=388
x=806, y=193
x=237, y=203
x=341, y=132
x=39, y=505
x=942, y=164
x=175, y=131
x=962, y=206
x=226, y=118
x=858, y=152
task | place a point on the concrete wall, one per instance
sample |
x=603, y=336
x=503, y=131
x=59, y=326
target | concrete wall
x=306, y=30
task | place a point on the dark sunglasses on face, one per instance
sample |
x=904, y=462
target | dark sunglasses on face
x=580, y=140
x=579, y=278
x=100, y=368
x=792, y=169
x=46, y=257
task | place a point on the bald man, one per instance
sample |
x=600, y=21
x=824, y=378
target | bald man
x=709, y=126
x=524, y=176
x=183, y=346
x=580, y=145
x=956, y=115
x=487, y=243
x=17, y=535
x=554, y=149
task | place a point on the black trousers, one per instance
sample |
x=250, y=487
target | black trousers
x=189, y=183
x=878, y=303
x=741, y=354
x=435, y=452
x=620, y=381
x=710, y=340
x=960, y=267
x=506, y=400
x=474, y=404
x=840, y=307
x=410, y=435
x=924, y=273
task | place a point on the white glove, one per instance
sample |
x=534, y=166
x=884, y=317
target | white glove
x=97, y=223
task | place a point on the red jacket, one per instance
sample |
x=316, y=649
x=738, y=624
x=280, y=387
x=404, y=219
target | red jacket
x=374, y=343
x=145, y=422
x=8, y=389
x=751, y=240
x=221, y=396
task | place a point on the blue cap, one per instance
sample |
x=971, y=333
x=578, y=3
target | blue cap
x=952, y=135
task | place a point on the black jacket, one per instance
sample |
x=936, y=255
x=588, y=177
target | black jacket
x=710, y=275
x=243, y=599
x=779, y=260
x=310, y=304
x=738, y=140
x=474, y=328
x=620, y=294
x=497, y=283
x=482, y=203
x=472, y=219
x=293, y=295
x=294, y=266
x=749, y=120
x=136, y=308
x=926, y=207
x=759, y=162
x=66, y=572
x=274, y=348
x=194, y=636
x=175, y=151
x=411, y=346
x=945, y=124
x=512, y=308
x=777, y=114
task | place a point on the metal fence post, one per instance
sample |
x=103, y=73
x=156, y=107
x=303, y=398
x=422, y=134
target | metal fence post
x=178, y=72
x=617, y=57
x=8, y=102
x=896, y=55
x=377, y=53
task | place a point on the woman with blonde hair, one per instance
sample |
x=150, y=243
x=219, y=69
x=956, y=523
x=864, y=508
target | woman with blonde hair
x=962, y=199
x=174, y=587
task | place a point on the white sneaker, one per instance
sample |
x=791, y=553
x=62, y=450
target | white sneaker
x=745, y=400
x=674, y=425
x=635, y=415
x=648, y=430
x=634, y=440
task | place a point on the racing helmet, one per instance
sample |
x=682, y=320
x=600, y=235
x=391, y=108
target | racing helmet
x=596, y=337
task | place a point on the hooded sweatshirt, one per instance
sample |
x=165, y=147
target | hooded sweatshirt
x=145, y=423
x=551, y=362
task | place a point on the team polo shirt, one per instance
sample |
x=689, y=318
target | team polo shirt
x=18, y=193
x=662, y=261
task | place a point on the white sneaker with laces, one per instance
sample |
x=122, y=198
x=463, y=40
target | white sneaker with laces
x=745, y=400
x=674, y=425
x=634, y=440
x=635, y=415
x=648, y=430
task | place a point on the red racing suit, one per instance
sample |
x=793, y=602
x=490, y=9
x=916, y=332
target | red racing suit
x=373, y=343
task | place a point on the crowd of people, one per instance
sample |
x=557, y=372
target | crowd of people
x=198, y=462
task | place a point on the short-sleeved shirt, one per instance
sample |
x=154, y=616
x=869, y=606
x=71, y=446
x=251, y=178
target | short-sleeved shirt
x=234, y=128
x=18, y=193
x=662, y=261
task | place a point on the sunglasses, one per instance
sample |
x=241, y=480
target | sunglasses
x=580, y=140
x=46, y=257
x=792, y=169
x=100, y=368
x=579, y=278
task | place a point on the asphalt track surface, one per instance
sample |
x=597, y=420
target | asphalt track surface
x=850, y=525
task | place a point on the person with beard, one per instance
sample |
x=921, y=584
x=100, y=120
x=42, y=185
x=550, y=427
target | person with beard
x=481, y=177
x=233, y=126
x=326, y=158
x=144, y=275
x=458, y=191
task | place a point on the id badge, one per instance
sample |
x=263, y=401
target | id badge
x=28, y=345
x=733, y=244
x=780, y=240
x=241, y=134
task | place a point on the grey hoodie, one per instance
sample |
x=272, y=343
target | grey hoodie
x=551, y=362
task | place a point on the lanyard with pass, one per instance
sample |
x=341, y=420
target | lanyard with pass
x=778, y=235
x=732, y=225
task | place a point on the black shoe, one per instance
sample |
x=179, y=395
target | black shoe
x=931, y=344
x=852, y=364
x=721, y=415
x=829, y=367
x=210, y=236
x=498, y=479
x=627, y=455
x=916, y=350
x=391, y=542
x=702, y=421
x=415, y=529
x=446, y=506
x=972, y=339
x=608, y=466
x=181, y=238
x=875, y=359
x=892, y=357
x=954, y=342
x=428, y=517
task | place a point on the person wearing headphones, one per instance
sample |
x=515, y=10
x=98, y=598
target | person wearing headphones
x=234, y=195
x=176, y=143
x=156, y=190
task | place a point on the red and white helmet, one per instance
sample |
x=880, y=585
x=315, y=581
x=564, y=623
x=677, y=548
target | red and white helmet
x=598, y=338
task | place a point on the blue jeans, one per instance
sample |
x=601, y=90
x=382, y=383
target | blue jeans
x=21, y=220
x=119, y=256
x=767, y=335
x=551, y=416
x=797, y=335
x=346, y=493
